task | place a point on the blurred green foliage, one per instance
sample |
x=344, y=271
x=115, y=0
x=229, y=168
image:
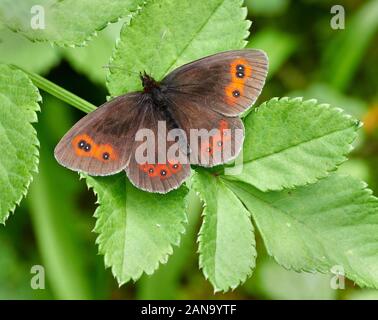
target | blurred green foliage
x=53, y=227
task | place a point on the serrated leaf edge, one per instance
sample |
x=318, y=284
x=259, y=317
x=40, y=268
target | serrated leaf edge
x=197, y=189
x=35, y=144
x=370, y=196
x=357, y=125
x=90, y=36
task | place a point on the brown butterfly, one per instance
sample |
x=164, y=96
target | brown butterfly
x=205, y=94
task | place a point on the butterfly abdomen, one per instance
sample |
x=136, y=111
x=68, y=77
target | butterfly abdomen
x=161, y=105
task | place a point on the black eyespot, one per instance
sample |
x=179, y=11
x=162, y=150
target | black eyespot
x=208, y=149
x=240, y=74
x=219, y=143
x=163, y=173
x=240, y=67
x=81, y=144
x=87, y=147
x=175, y=166
x=106, y=156
x=151, y=170
x=236, y=93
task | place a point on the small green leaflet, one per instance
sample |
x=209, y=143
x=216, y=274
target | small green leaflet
x=226, y=239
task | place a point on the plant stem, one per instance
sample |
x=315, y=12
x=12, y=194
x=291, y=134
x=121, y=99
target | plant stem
x=59, y=92
x=57, y=243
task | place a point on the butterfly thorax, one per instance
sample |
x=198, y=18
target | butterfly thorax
x=156, y=93
x=153, y=89
x=149, y=83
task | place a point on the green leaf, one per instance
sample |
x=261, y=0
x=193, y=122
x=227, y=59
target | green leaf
x=136, y=229
x=67, y=22
x=226, y=239
x=291, y=142
x=313, y=228
x=18, y=139
x=177, y=32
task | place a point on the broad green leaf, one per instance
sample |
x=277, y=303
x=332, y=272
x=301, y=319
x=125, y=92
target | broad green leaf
x=226, y=239
x=136, y=229
x=169, y=33
x=64, y=22
x=346, y=50
x=92, y=60
x=333, y=222
x=279, y=46
x=34, y=57
x=291, y=142
x=18, y=139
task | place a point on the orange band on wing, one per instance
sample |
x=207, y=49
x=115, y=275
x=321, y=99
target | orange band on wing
x=84, y=146
x=218, y=140
x=240, y=71
x=161, y=170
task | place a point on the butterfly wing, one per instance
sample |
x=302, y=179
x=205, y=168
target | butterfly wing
x=205, y=94
x=100, y=143
x=165, y=170
x=213, y=138
x=228, y=82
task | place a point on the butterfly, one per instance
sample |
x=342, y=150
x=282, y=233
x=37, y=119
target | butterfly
x=206, y=94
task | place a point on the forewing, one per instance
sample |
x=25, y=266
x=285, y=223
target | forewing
x=101, y=142
x=228, y=82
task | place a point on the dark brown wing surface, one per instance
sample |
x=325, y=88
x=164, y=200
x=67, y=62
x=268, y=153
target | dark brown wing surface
x=228, y=83
x=213, y=138
x=165, y=168
x=101, y=142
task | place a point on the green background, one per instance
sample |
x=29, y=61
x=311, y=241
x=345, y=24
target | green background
x=53, y=226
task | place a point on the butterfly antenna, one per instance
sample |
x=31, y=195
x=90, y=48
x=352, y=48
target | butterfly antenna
x=108, y=66
x=156, y=55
